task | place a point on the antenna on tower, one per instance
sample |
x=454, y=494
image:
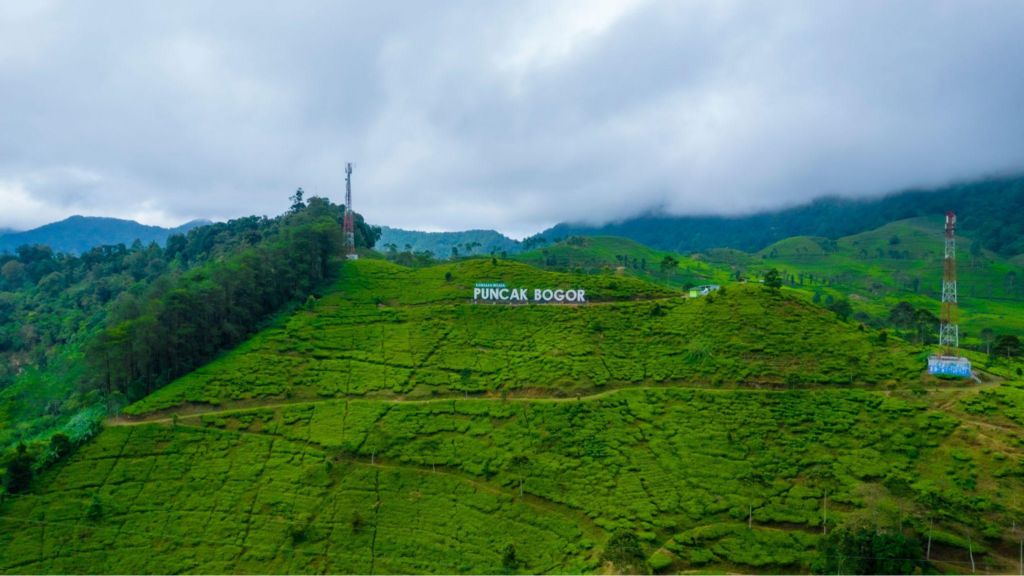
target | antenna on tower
x=949, y=361
x=349, y=224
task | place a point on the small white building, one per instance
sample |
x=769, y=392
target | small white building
x=703, y=290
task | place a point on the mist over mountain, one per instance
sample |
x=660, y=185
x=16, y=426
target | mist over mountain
x=80, y=234
x=991, y=211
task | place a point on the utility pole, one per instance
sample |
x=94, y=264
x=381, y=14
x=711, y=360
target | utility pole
x=970, y=550
x=931, y=523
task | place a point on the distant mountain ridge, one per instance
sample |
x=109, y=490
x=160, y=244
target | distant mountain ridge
x=79, y=234
x=441, y=243
x=990, y=211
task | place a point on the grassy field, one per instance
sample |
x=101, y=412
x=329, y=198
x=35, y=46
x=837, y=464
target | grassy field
x=394, y=427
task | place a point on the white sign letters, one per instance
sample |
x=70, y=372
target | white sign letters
x=499, y=292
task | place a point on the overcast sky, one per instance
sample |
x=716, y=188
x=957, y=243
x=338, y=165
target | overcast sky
x=505, y=115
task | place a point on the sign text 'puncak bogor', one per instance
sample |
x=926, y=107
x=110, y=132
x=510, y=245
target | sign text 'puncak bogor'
x=499, y=292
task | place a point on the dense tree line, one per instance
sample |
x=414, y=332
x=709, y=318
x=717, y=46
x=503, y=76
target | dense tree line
x=167, y=330
x=868, y=550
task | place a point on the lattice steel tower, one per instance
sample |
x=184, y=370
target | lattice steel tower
x=349, y=224
x=949, y=332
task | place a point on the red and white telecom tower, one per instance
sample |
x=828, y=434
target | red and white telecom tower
x=349, y=224
x=949, y=361
x=949, y=330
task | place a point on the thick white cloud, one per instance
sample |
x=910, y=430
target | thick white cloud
x=507, y=115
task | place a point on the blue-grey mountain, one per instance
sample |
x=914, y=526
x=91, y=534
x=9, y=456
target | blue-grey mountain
x=80, y=234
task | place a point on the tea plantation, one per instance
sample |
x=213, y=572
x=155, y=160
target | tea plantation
x=397, y=331
x=737, y=480
x=394, y=427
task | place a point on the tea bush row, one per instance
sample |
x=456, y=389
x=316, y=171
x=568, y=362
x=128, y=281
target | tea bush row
x=152, y=499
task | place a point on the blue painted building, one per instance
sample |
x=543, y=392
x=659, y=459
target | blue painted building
x=949, y=366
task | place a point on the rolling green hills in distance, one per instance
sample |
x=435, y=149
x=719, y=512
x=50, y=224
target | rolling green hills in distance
x=440, y=244
x=610, y=254
x=875, y=270
x=392, y=426
x=902, y=261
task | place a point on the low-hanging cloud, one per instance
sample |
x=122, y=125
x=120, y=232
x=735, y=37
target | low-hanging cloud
x=506, y=115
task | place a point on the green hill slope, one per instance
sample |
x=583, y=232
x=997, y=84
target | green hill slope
x=394, y=427
x=734, y=479
x=391, y=330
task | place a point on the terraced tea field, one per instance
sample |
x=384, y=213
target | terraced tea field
x=394, y=331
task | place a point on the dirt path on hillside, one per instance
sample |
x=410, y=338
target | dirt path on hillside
x=193, y=411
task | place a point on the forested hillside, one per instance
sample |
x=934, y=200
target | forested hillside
x=992, y=211
x=79, y=234
x=81, y=335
